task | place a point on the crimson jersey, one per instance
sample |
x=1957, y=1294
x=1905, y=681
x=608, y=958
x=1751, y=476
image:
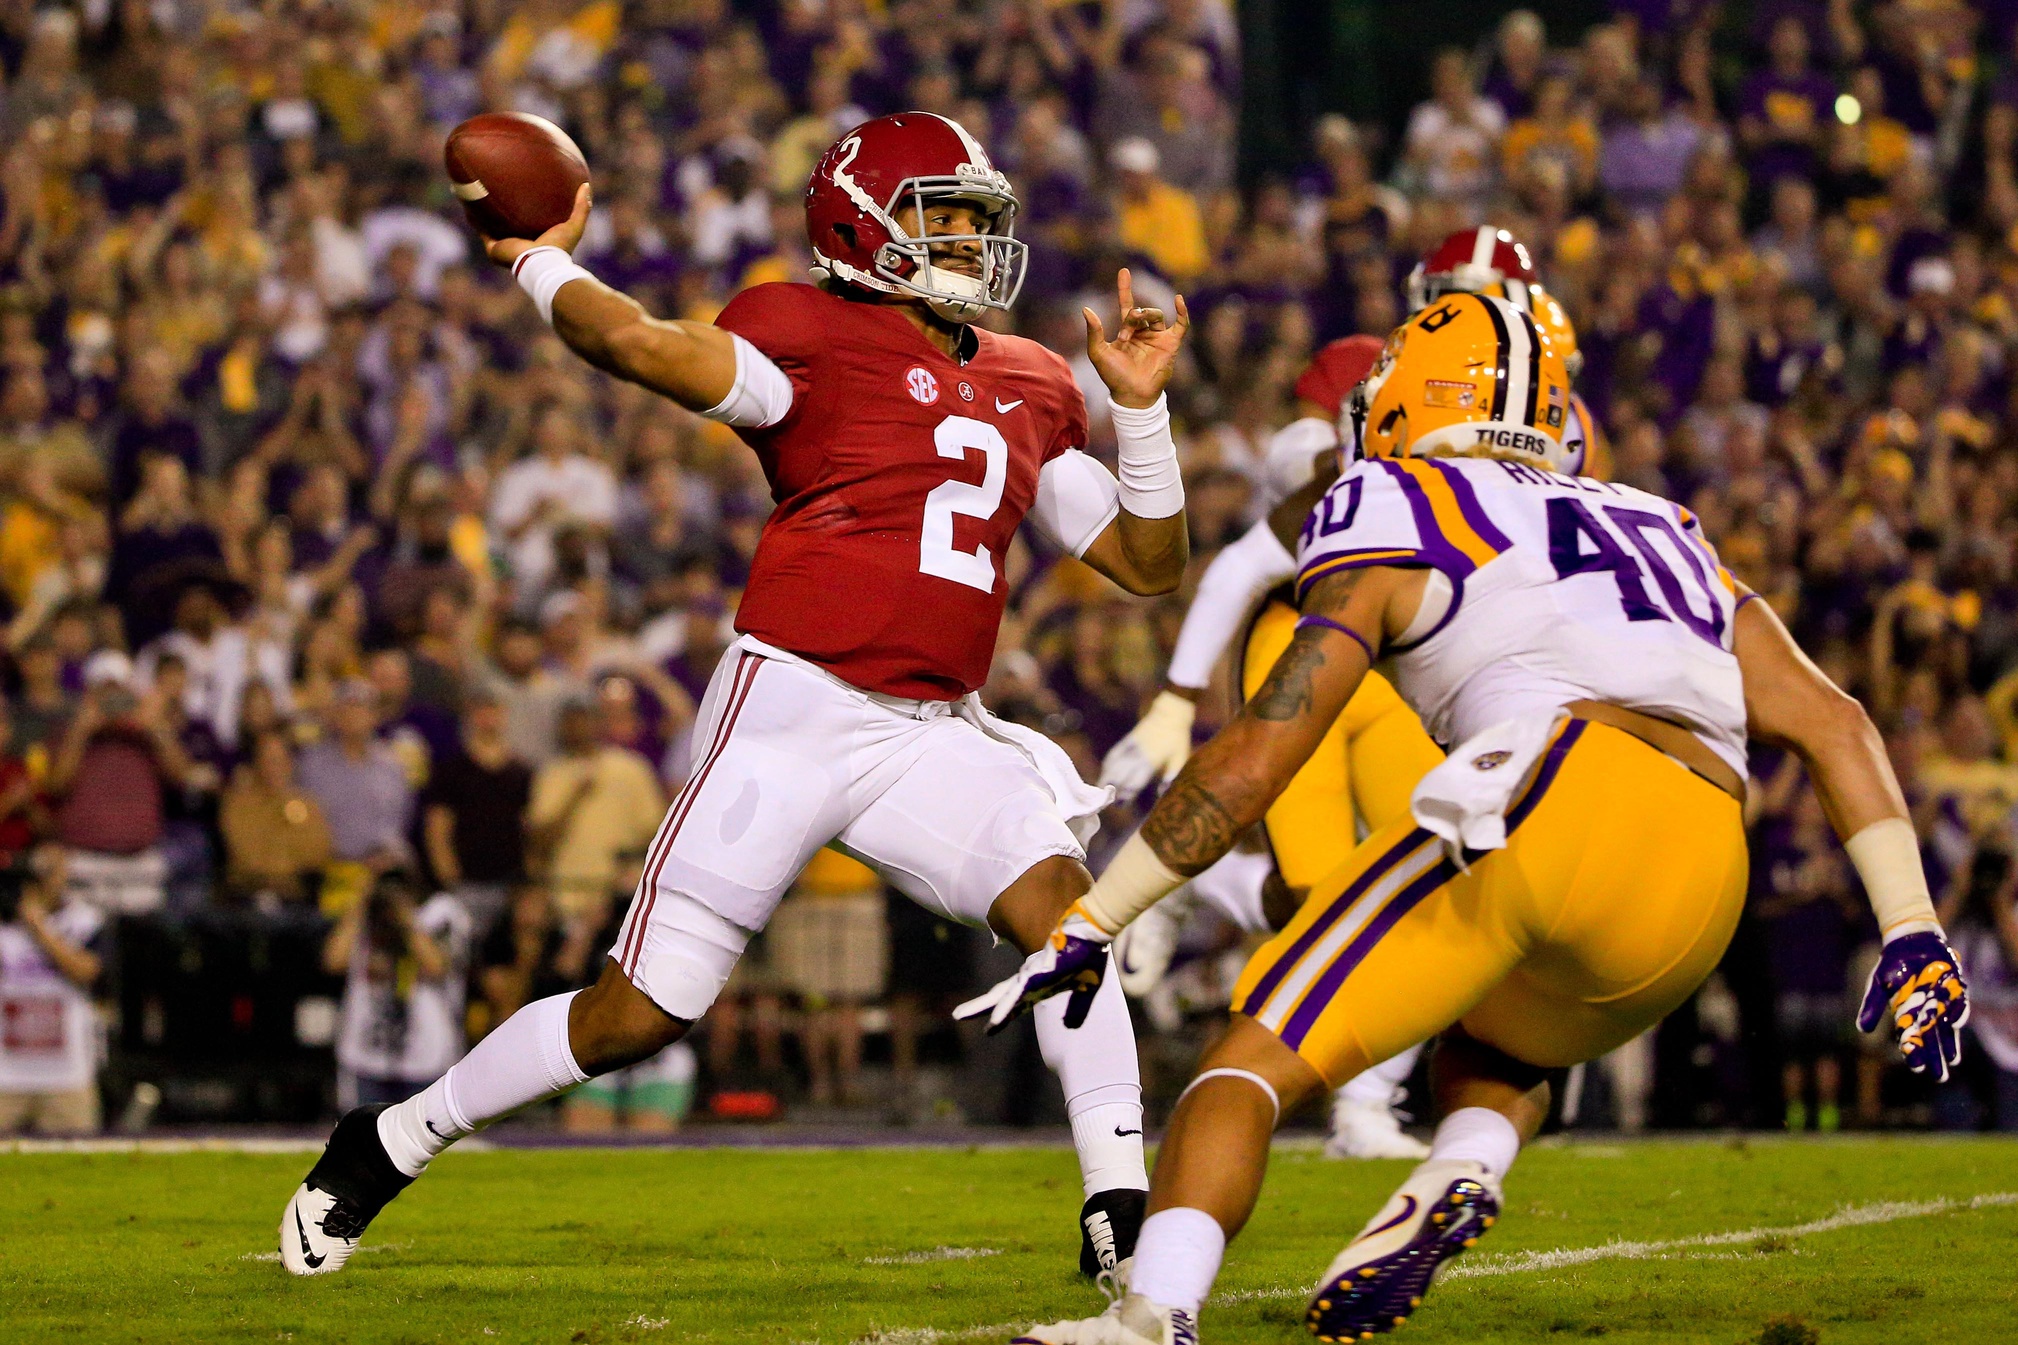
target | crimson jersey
x=900, y=477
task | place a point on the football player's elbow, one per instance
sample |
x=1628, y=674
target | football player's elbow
x=1158, y=569
x=1152, y=582
x=1831, y=723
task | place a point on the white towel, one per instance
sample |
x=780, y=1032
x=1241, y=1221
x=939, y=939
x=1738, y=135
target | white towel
x=1080, y=802
x=1464, y=801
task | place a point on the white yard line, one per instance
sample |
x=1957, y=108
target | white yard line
x=936, y=1254
x=926, y=1335
x=1850, y=1216
x=1518, y=1263
x=368, y=1247
x=255, y=1145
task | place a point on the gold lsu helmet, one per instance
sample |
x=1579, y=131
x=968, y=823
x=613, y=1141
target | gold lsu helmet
x=1548, y=314
x=1470, y=375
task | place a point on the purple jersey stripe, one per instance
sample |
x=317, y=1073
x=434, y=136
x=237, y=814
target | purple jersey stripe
x=1436, y=548
x=1356, y=560
x=1544, y=777
x=1468, y=505
x=1338, y=906
x=1316, y=999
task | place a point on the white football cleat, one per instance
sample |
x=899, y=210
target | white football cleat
x=1129, y=1320
x=1382, y=1275
x=352, y=1181
x=1144, y=948
x=1364, y=1129
x=306, y=1247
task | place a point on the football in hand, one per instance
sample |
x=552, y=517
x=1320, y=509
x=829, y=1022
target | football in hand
x=516, y=174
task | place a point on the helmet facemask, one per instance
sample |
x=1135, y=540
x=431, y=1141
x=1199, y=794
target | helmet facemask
x=906, y=263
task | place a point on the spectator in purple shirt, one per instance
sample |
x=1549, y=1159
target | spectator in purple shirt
x=1810, y=910
x=1518, y=53
x=1784, y=110
x=1645, y=154
x=151, y=419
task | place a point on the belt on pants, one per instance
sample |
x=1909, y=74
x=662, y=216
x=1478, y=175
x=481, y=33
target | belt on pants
x=1669, y=739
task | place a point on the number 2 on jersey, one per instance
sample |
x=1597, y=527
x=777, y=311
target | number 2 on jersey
x=936, y=553
x=1572, y=524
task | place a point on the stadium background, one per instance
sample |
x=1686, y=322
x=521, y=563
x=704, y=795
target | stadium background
x=328, y=573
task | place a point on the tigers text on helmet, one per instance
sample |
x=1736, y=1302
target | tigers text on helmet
x=1485, y=260
x=1470, y=376
x=866, y=207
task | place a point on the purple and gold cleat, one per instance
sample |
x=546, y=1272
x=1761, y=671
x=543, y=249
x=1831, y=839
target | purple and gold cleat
x=1382, y=1275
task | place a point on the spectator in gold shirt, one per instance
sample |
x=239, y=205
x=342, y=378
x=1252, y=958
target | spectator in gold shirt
x=591, y=805
x=1157, y=220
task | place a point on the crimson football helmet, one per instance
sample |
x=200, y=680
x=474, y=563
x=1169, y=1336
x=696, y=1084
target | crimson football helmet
x=1484, y=260
x=866, y=207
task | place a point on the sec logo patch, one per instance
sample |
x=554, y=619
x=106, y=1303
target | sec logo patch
x=924, y=388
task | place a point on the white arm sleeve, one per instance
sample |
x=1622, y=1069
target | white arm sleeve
x=761, y=394
x=1076, y=499
x=1291, y=461
x=1227, y=592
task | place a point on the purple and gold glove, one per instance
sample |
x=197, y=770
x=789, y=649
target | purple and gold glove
x=1919, y=984
x=1072, y=960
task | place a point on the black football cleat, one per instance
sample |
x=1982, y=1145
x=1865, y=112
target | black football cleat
x=342, y=1193
x=1109, y=1224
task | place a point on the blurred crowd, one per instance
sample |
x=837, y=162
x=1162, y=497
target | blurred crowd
x=331, y=584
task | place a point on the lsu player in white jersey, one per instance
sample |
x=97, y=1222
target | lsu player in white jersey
x=1569, y=875
x=1361, y=777
x=1355, y=783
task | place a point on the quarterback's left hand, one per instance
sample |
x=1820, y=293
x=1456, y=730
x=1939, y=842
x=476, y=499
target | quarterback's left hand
x=1073, y=959
x=1137, y=362
x=1919, y=985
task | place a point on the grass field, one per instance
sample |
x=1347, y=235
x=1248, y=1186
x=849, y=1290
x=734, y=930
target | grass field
x=1861, y=1240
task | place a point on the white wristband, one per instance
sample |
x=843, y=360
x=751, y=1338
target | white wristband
x=541, y=272
x=1151, y=484
x=1134, y=880
x=1887, y=857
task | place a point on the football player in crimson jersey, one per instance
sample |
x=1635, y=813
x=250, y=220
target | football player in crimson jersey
x=903, y=446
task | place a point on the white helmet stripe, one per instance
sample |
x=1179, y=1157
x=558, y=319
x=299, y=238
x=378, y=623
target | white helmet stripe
x=1482, y=245
x=1520, y=364
x=975, y=154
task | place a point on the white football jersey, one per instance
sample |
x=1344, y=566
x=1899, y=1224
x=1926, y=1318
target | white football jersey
x=1559, y=588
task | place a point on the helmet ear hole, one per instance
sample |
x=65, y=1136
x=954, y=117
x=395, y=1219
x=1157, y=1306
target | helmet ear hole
x=846, y=233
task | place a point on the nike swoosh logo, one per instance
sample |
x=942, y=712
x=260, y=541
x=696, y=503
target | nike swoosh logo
x=1407, y=1213
x=1003, y=408
x=1117, y=1130
x=431, y=1130
x=307, y=1254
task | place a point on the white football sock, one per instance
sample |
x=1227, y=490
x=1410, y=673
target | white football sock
x=1479, y=1134
x=1095, y=1064
x=1376, y=1086
x=1177, y=1258
x=526, y=1059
